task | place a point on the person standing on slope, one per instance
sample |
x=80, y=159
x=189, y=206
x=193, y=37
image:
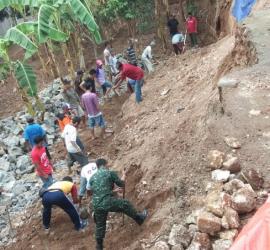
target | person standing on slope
x=40, y=159
x=102, y=184
x=131, y=72
x=172, y=25
x=91, y=105
x=191, y=25
x=147, y=57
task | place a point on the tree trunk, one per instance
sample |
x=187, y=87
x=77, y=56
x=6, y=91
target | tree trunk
x=44, y=68
x=54, y=67
x=80, y=53
x=160, y=20
x=68, y=60
x=39, y=104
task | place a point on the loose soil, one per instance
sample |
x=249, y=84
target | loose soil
x=163, y=142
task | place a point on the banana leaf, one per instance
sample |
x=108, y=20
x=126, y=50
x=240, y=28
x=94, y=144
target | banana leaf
x=85, y=16
x=26, y=77
x=4, y=50
x=46, y=28
x=16, y=3
x=16, y=36
x=28, y=28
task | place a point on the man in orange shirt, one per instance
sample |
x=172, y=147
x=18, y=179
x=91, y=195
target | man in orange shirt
x=63, y=120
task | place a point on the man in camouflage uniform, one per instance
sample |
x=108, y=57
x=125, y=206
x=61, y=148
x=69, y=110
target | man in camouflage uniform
x=102, y=184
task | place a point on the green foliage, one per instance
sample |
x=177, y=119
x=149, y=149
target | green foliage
x=85, y=16
x=16, y=36
x=26, y=78
x=141, y=10
x=18, y=4
x=46, y=28
x=4, y=69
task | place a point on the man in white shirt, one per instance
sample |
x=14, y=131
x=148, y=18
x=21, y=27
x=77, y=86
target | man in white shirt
x=73, y=143
x=87, y=172
x=108, y=59
x=147, y=57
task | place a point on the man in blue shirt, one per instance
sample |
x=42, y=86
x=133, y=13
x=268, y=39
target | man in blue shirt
x=32, y=131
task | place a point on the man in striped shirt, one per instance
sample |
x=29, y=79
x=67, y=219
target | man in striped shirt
x=131, y=53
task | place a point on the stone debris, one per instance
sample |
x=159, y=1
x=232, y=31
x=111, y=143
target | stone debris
x=201, y=241
x=228, y=234
x=216, y=159
x=233, y=185
x=160, y=245
x=232, y=164
x=179, y=235
x=244, y=200
x=230, y=220
x=214, y=203
x=208, y=223
x=220, y=175
x=227, y=82
x=232, y=142
x=252, y=177
x=222, y=244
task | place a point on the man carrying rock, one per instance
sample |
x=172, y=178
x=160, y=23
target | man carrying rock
x=44, y=168
x=102, y=184
x=73, y=143
x=55, y=195
x=32, y=131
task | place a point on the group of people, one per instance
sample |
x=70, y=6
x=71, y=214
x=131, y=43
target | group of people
x=178, y=39
x=81, y=106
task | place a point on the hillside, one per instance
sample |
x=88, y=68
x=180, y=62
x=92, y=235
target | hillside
x=164, y=142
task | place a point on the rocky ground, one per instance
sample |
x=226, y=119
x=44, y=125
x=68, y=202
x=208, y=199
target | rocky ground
x=200, y=166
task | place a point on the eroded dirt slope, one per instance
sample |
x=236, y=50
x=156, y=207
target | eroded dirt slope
x=162, y=143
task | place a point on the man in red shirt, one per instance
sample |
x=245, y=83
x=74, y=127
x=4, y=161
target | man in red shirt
x=132, y=72
x=191, y=25
x=42, y=163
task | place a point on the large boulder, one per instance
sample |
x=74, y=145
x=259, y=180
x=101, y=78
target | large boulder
x=244, y=200
x=179, y=235
x=216, y=159
x=208, y=223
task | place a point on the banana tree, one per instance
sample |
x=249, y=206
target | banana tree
x=23, y=74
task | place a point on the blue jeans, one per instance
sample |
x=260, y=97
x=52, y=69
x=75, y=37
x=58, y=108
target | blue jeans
x=96, y=121
x=47, y=182
x=59, y=199
x=138, y=90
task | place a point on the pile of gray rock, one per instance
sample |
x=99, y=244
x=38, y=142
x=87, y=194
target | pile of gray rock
x=17, y=178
